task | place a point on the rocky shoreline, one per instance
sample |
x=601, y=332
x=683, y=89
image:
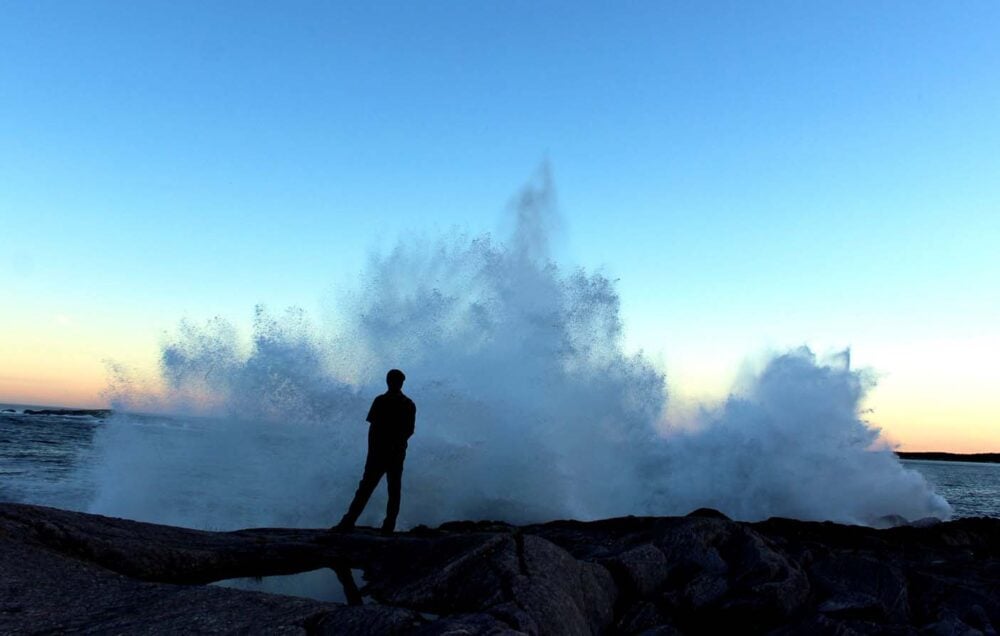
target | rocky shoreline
x=937, y=456
x=100, y=413
x=701, y=574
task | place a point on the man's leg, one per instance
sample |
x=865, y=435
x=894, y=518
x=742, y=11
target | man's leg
x=394, y=477
x=373, y=473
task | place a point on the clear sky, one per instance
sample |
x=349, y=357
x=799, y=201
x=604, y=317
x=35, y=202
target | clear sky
x=757, y=175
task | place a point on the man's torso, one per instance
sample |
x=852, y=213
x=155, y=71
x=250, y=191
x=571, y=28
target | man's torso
x=391, y=419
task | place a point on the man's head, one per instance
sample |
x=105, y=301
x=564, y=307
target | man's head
x=395, y=379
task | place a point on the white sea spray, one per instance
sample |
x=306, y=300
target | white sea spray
x=528, y=409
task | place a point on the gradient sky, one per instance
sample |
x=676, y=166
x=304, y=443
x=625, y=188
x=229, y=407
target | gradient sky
x=757, y=176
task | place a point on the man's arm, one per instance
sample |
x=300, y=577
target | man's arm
x=373, y=411
x=411, y=419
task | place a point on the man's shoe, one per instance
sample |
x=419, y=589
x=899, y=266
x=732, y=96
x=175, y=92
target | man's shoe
x=343, y=526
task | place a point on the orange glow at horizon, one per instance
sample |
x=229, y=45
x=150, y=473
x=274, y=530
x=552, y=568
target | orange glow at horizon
x=917, y=407
x=57, y=360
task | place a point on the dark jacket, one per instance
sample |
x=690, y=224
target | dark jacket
x=392, y=417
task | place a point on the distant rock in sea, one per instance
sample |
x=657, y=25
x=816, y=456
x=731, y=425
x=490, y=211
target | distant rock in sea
x=988, y=458
x=700, y=574
x=8, y=411
x=91, y=412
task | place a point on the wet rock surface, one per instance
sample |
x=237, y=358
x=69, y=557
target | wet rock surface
x=64, y=571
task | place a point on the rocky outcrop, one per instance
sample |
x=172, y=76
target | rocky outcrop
x=700, y=574
x=987, y=458
x=75, y=412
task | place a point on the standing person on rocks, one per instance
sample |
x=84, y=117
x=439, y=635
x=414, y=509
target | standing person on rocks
x=391, y=421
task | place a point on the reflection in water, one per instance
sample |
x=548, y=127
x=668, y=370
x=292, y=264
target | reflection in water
x=351, y=592
x=337, y=584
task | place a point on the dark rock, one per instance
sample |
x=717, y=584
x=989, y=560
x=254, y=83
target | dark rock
x=525, y=581
x=766, y=584
x=978, y=618
x=365, y=619
x=461, y=624
x=641, y=570
x=860, y=587
x=852, y=605
x=707, y=513
x=891, y=521
x=950, y=625
x=65, y=571
x=969, y=593
x=661, y=630
x=993, y=458
x=704, y=591
x=925, y=522
x=78, y=412
x=641, y=617
x=45, y=592
x=813, y=625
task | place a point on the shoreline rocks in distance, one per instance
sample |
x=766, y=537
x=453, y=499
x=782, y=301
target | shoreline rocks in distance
x=101, y=413
x=979, y=458
x=702, y=573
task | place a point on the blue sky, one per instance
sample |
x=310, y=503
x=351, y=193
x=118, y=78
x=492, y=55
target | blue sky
x=756, y=175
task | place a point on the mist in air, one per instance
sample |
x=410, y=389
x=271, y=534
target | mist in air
x=528, y=409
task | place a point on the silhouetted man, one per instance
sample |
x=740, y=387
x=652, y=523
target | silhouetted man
x=391, y=419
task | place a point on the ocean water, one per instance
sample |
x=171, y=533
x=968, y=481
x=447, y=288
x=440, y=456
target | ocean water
x=48, y=460
x=972, y=489
x=41, y=458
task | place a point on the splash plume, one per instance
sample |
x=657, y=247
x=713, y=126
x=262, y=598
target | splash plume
x=529, y=409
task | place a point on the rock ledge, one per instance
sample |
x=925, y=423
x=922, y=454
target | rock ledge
x=700, y=574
